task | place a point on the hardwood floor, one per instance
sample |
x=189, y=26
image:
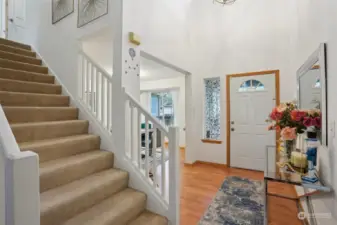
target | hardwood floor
x=200, y=183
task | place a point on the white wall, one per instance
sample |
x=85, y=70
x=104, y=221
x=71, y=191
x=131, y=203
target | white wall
x=178, y=84
x=58, y=44
x=2, y=18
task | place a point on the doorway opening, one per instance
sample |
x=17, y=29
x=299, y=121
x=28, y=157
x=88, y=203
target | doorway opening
x=250, y=98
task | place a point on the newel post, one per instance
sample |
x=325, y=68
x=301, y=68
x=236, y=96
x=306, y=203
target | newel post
x=174, y=176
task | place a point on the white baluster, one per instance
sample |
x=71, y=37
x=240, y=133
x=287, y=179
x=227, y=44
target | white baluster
x=139, y=129
x=80, y=77
x=103, y=100
x=84, y=80
x=98, y=105
x=92, y=88
x=87, y=84
x=154, y=155
x=108, y=104
x=163, y=167
x=146, y=147
x=133, y=149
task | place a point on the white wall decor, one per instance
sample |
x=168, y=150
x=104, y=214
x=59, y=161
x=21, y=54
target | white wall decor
x=61, y=9
x=89, y=10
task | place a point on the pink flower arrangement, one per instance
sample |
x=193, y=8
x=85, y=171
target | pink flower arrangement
x=289, y=120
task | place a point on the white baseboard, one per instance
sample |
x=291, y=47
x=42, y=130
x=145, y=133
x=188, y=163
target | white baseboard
x=136, y=181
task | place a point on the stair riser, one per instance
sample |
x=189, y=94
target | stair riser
x=25, y=76
x=24, y=133
x=74, y=172
x=18, y=51
x=57, y=215
x=16, y=99
x=14, y=44
x=21, y=86
x=23, y=67
x=24, y=115
x=19, y=58
x=64, y=149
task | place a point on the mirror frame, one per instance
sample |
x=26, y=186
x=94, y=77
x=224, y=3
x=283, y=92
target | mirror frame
x=318, y=56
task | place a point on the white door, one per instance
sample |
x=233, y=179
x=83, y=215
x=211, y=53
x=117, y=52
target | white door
x=251, y=100
x=16, y=19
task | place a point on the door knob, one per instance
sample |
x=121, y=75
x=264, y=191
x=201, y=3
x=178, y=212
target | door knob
x=11, y=20
x=232, y=129
x=232, y=122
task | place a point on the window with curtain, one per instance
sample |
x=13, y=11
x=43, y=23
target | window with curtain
x=212, y=108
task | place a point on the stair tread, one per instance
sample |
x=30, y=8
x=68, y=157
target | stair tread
x=149, y=218
x=40, y=107
x=65, y=170
x=29, y=64
x=64, y=194
x=113, y=210
x=54, y=141
x=30, y=82
x=43, y=123
x=52, y=165
x=17, y=50
x=20, y=66
x=23, y=71
x=34, y=60
x=14, y=43
x=35, y=94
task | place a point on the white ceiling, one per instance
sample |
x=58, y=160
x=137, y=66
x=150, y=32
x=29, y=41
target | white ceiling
x=100, y=48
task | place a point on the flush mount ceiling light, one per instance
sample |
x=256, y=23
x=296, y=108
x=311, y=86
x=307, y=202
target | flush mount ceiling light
x=225, y=2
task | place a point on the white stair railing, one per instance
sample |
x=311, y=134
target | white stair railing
x=19, y=179
x=95, y=90
x=149, y=146
x=154, y=151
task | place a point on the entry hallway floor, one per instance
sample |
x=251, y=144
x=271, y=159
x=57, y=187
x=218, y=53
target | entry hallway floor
x=200, y=183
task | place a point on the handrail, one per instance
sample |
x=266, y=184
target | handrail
x=146, y=113
x=103, y=71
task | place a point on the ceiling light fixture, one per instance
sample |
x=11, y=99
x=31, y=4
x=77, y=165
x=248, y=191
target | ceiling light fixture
x=225, y=2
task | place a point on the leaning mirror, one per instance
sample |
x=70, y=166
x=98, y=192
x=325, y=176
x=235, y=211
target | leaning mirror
x=312, y=94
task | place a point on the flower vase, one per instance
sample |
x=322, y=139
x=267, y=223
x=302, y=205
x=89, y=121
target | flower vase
x=289, y=147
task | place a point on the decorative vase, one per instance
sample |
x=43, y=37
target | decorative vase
x=289, y=147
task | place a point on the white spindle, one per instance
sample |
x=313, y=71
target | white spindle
x=163, y=167
x=103, y=100
x=108, y=115
x=92, y=88
x=139, y=149
x=84, y=71
x=132, y=116
x=80, y=76
x=87, y=84
x=146, y=147
x=98, y=105
x=154, y=155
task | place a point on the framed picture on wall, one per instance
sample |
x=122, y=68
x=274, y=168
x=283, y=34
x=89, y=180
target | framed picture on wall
x=61, y=9
x=90, y=10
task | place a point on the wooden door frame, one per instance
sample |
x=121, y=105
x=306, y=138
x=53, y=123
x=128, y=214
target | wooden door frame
x=228, y=105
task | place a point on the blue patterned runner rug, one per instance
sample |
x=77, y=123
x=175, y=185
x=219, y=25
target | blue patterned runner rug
x=239, y=201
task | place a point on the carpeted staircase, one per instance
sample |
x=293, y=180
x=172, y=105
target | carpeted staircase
x=78, y=183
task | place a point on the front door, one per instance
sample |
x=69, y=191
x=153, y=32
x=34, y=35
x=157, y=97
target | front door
x=251, y=100
x=16, y=19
